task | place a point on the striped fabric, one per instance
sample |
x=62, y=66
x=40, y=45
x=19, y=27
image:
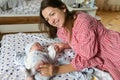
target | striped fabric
x=94, y=45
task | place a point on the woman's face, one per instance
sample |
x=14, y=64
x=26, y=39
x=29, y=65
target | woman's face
x=54, y=16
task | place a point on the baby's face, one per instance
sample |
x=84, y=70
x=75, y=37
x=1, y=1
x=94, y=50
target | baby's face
x=35, y=47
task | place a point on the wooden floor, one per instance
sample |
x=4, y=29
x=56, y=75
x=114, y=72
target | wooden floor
x=111, y=20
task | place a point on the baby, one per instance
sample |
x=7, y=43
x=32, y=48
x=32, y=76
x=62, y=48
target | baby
x=34, y=55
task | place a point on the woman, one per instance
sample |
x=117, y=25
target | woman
x=94, y=45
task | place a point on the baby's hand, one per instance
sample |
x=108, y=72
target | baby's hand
x=58, y=47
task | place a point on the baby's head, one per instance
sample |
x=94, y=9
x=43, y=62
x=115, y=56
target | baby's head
x=35, y=46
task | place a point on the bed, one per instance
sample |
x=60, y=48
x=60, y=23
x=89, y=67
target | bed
x=27, y=12
x=14, y=43
x=26, y=15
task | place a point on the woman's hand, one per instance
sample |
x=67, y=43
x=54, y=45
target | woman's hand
x=46, y=69
x=60, y=46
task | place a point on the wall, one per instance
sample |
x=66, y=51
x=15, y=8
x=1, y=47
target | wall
x=111, y=5
x=69, y=1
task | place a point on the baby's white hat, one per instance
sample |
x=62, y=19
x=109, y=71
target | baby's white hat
x=28, y=47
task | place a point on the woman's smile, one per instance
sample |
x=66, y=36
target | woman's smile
x=54, y=16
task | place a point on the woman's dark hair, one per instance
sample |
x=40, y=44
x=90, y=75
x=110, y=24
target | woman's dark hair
x=57, y=4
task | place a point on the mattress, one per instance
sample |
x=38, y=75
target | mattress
x=12, y=44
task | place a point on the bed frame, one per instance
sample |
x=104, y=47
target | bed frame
x=11, y=20
x=19, y=20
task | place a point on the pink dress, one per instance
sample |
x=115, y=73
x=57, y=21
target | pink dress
x=94, y=45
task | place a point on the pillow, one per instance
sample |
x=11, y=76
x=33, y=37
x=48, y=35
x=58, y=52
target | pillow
x=9, y=4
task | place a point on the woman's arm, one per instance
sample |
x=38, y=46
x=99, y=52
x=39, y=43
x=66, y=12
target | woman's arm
x=65, y=68
x=50, y=70
x=66, y=46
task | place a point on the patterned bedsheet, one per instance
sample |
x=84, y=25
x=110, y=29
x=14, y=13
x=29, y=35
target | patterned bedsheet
x=12, y=44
